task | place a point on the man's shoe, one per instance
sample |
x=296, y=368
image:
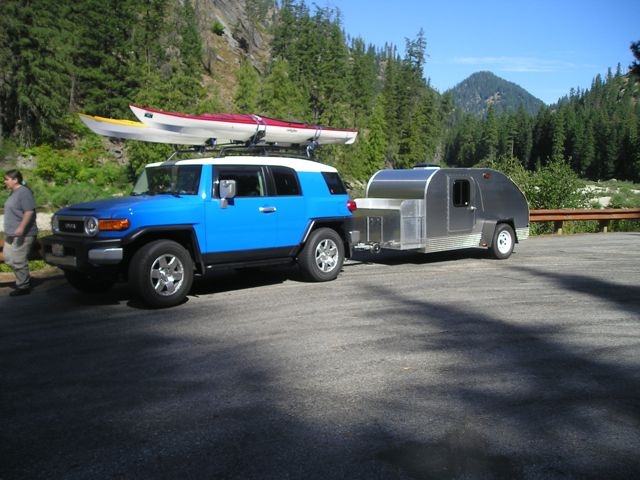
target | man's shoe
x=20, y=291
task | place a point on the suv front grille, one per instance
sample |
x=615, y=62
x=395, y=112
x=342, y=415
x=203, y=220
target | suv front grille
x=71, y=225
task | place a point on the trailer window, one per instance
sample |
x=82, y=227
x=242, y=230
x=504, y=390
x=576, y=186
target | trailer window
x=461, y=193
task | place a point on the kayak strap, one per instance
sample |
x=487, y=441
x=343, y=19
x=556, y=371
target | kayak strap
x=311, y=146
x=261, y=131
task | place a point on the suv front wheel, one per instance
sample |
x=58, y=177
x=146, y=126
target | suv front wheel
x=161, y=272
x=322, y=257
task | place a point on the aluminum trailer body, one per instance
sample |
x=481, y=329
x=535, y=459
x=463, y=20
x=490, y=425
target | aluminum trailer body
x=439, y=209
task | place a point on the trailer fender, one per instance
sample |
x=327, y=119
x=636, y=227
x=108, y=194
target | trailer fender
x=489, y=229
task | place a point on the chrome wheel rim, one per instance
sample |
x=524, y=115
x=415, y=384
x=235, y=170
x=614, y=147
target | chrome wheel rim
x=167, y=275
x=327, y=255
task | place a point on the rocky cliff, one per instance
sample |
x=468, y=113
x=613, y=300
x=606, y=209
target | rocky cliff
x=232, y=31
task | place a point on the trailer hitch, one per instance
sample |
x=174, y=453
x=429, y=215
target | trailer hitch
x=372, y=247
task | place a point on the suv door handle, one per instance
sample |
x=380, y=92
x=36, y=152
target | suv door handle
x=267, y=209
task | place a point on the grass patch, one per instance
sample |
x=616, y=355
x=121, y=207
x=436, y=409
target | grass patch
x=34, y=266
x=619, y=194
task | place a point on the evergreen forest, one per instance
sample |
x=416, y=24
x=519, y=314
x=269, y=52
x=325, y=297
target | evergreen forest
x=97, y=57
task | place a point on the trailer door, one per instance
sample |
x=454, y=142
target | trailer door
x=461, y=205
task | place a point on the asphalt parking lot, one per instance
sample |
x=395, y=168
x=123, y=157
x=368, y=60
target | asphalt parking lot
x=408, y=366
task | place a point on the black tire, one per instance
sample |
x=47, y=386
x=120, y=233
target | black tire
x=89, y=283
x=503, y=241
x=322, y=257
x=161, y=273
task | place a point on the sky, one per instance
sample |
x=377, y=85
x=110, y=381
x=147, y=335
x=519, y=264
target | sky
x=548, y=47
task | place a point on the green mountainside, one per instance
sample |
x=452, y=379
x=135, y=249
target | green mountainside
x=482, y=89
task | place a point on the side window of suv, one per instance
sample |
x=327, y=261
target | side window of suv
x=286, y=181
x=334, y=183
x=250, y=181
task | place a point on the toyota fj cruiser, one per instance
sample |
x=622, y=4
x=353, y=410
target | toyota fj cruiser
x=187, y=217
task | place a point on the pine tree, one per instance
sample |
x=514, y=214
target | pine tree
x=288, y=28
x=558, y=136
x=362, y=81
x=328, y=70
x=634, y=68
x=489, y=143
x=523, y=141
x=104, y=61
x=375, y=141
x=9, y=28
x=35, y=87
x=391, y=102
x=280, y=96
x=170, y=73
x=248, y=91
x=462, y=150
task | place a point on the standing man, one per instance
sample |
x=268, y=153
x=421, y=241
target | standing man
x=20, y=230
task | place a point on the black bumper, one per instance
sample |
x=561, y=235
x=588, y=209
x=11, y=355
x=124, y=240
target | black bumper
x=81, y=253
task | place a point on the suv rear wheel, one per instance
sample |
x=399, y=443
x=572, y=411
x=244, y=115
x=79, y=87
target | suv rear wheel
x=162, y=273
x=322, y=257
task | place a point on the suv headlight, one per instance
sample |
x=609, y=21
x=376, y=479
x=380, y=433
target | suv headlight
x=91, y=226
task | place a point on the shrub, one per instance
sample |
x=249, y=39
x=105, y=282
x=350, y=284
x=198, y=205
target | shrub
x=557, y=186
x=81, y=192
x=625, y=197
x=217, y=28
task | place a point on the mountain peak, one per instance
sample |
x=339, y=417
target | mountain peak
x=483, y=89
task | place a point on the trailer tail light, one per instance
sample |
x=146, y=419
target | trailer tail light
x=351, y=205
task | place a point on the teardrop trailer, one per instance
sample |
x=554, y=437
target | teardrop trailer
x=436, y=209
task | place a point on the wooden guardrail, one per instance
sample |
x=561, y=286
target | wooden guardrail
x=602, y=215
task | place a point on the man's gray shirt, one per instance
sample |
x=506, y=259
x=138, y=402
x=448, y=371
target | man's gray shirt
x=21, y=200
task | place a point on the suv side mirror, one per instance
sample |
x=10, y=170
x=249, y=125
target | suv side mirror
x=227, y=191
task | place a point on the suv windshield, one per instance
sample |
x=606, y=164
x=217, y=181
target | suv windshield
x=168, y=179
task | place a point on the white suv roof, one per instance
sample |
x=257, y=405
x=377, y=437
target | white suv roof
x=298, y=164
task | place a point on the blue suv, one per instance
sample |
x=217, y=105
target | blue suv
x=187, y=217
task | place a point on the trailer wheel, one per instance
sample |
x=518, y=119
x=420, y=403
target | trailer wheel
x=503, y=241
x=161, y=273
x=322, y=257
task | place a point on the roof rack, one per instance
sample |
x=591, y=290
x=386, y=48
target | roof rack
x=248, y=148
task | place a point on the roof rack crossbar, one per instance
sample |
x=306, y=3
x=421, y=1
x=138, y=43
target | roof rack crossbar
x=297, y=150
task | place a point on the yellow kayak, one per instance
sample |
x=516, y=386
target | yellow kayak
x=132, y=130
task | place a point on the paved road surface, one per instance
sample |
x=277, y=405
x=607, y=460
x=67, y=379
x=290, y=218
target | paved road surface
x=405, y=367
